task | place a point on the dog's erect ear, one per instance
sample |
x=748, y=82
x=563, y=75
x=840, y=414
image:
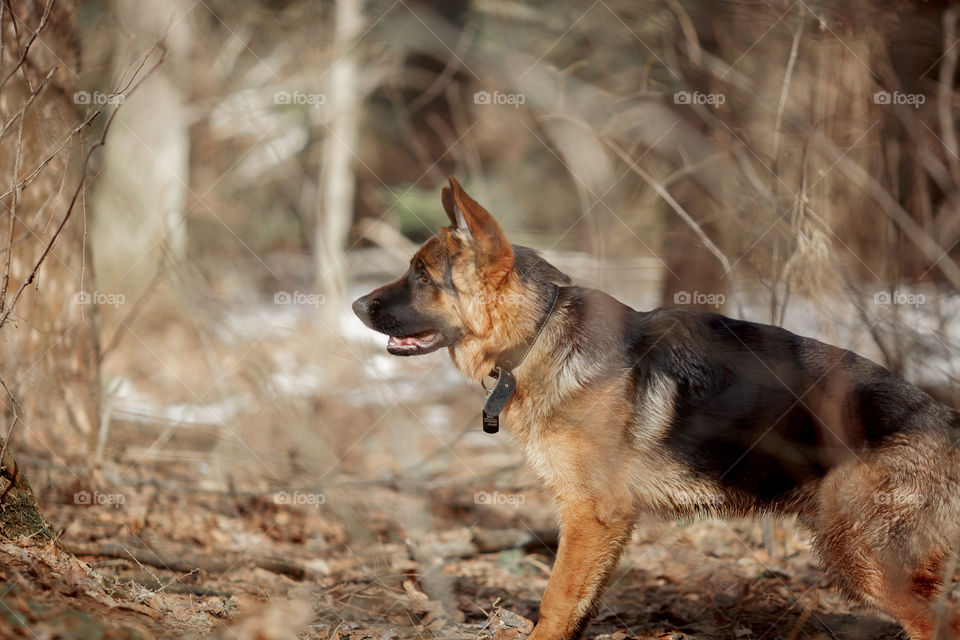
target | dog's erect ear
x=494, y=252
x=453, y=211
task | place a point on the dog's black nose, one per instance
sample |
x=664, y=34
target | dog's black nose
x=364, y=307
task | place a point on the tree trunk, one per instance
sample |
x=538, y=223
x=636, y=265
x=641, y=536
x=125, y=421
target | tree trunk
x=140, y=198
x=337, y=179
x=48, y=351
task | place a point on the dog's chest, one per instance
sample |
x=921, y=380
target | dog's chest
x=590, y=450
x=652, y=480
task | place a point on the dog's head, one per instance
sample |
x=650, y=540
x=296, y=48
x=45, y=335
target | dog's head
x=440, y=299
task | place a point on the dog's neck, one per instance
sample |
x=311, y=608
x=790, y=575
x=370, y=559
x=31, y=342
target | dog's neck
x=518, y=329
x=499, y=396
x=513, y=357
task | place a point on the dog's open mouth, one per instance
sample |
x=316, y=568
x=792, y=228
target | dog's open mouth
x=417, y=344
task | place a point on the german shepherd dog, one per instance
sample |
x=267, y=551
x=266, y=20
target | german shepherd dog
x=679, y=412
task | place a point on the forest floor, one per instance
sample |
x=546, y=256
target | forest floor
x=176, y=561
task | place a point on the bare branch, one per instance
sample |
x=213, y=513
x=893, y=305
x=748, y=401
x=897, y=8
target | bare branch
x=79, y=189
x=33, y=96
x=663, y=193
x=948, y=70
x=36, y=34
x=785, y=88
x=13, y=213
x=17, y=413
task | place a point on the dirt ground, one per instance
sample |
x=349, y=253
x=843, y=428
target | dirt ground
x=177, y=561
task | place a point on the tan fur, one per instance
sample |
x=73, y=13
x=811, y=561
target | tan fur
x=593, y=535
x=854, y=541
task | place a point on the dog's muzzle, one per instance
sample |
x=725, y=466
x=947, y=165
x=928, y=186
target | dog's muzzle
x=364, y=308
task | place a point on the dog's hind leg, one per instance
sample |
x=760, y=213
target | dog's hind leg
x=592, y=537
x=908, y=593
x=884, y=528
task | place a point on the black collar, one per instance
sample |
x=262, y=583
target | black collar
x=513, y=358
x=503, y=370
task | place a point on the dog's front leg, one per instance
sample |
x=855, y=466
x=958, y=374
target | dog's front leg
x=593, y=534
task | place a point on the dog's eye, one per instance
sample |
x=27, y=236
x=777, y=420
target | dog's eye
x=424, y=277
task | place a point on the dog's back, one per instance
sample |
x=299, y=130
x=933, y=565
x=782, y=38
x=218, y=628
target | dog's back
x=762, y=411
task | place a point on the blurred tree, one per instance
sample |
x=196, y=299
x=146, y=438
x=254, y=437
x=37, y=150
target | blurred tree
x=335, y=206
x=140, y=199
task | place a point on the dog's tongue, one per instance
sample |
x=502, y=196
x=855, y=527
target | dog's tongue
x=418, y=340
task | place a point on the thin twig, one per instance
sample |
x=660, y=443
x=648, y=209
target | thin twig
x=13, y=214
x=785, y=91
x=134, y=311
x=889, y=206
x=690, y=169
x=689, y=32
x=76, y=194
x=33, y=96
x=61, y=144
x=663, y=193
x=948, y=70
x=120, y=90
x=36, y=34
x=178, y=560
x=2, y=7
x=858, y=175
x=453, y=65
x=802, y=620
x=17, y=412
